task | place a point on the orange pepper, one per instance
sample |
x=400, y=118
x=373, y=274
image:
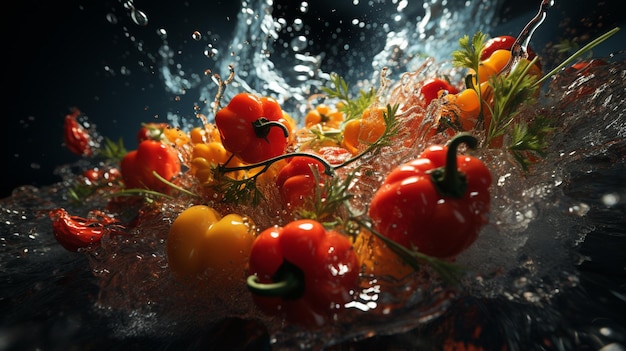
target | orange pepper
x=366, y=129
x=322, y=114
x=206, y=156
x=378, y=259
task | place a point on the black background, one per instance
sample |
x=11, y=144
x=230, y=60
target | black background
x=56, y=53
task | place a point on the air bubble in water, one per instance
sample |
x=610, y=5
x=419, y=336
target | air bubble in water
x=196, y=35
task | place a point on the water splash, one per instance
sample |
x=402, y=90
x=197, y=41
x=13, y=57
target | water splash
x=519, y=50
x=515, y=257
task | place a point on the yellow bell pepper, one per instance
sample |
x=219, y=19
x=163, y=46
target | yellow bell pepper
x=203, y=243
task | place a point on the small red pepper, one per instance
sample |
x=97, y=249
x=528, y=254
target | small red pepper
x=76, y=137
x=137, y=166
x=296, y=181
x=302, y=272
x=436, y=203
x=253, y=128
x=74, y=232
x=432, y=87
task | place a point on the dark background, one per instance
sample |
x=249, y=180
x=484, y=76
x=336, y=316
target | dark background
x=56, y=53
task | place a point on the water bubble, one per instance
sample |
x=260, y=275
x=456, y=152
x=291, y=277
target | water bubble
x=196, y=35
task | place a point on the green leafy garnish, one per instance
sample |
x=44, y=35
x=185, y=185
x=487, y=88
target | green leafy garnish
x=510, y=92
x=468, y=56
x=329, y=199
x=352, y=107
x=113, y=151
x=528, y=140
x=237, y=191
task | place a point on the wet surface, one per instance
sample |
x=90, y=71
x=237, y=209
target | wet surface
x=47, y=295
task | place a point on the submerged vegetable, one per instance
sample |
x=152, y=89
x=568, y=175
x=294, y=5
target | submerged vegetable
x=436, y=203
x=75, y=233
x=253, y=128
x=137, y=166
x=202, y=241
x=302, y=272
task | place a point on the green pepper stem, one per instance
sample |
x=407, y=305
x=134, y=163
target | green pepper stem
x=448, y=180
x=263, y=125
x=328, y=168
x=289, y=283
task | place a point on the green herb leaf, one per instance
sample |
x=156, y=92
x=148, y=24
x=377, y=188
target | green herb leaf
x=352, y=107
x=468, y=56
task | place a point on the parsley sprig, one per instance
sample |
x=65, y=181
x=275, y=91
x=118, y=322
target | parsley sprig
x=351, y=107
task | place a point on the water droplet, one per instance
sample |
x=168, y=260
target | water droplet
x=139, y=17
x=196, y=35
x=111, y=18
x=580, y=209
x=610, y=199
x=298, y=24
x=210, y=51
x=162, y=33
x=304, y=7
x=299, y=43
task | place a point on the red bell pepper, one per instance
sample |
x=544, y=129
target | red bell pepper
x=76, y=137
x=253, y=128
x=431, y=88
x=296, y=181
x=436, y=203
x=74, y=232
x=302, y=272
x=137, y=166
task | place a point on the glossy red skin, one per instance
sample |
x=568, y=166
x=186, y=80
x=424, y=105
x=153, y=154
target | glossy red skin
x=329, y=264
x=296, y=181
x=503, y=42
x=235, y=124
x=75, y=233
x=77, y=139
x=409, y=209
x=151, y=155
x=431, y=88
